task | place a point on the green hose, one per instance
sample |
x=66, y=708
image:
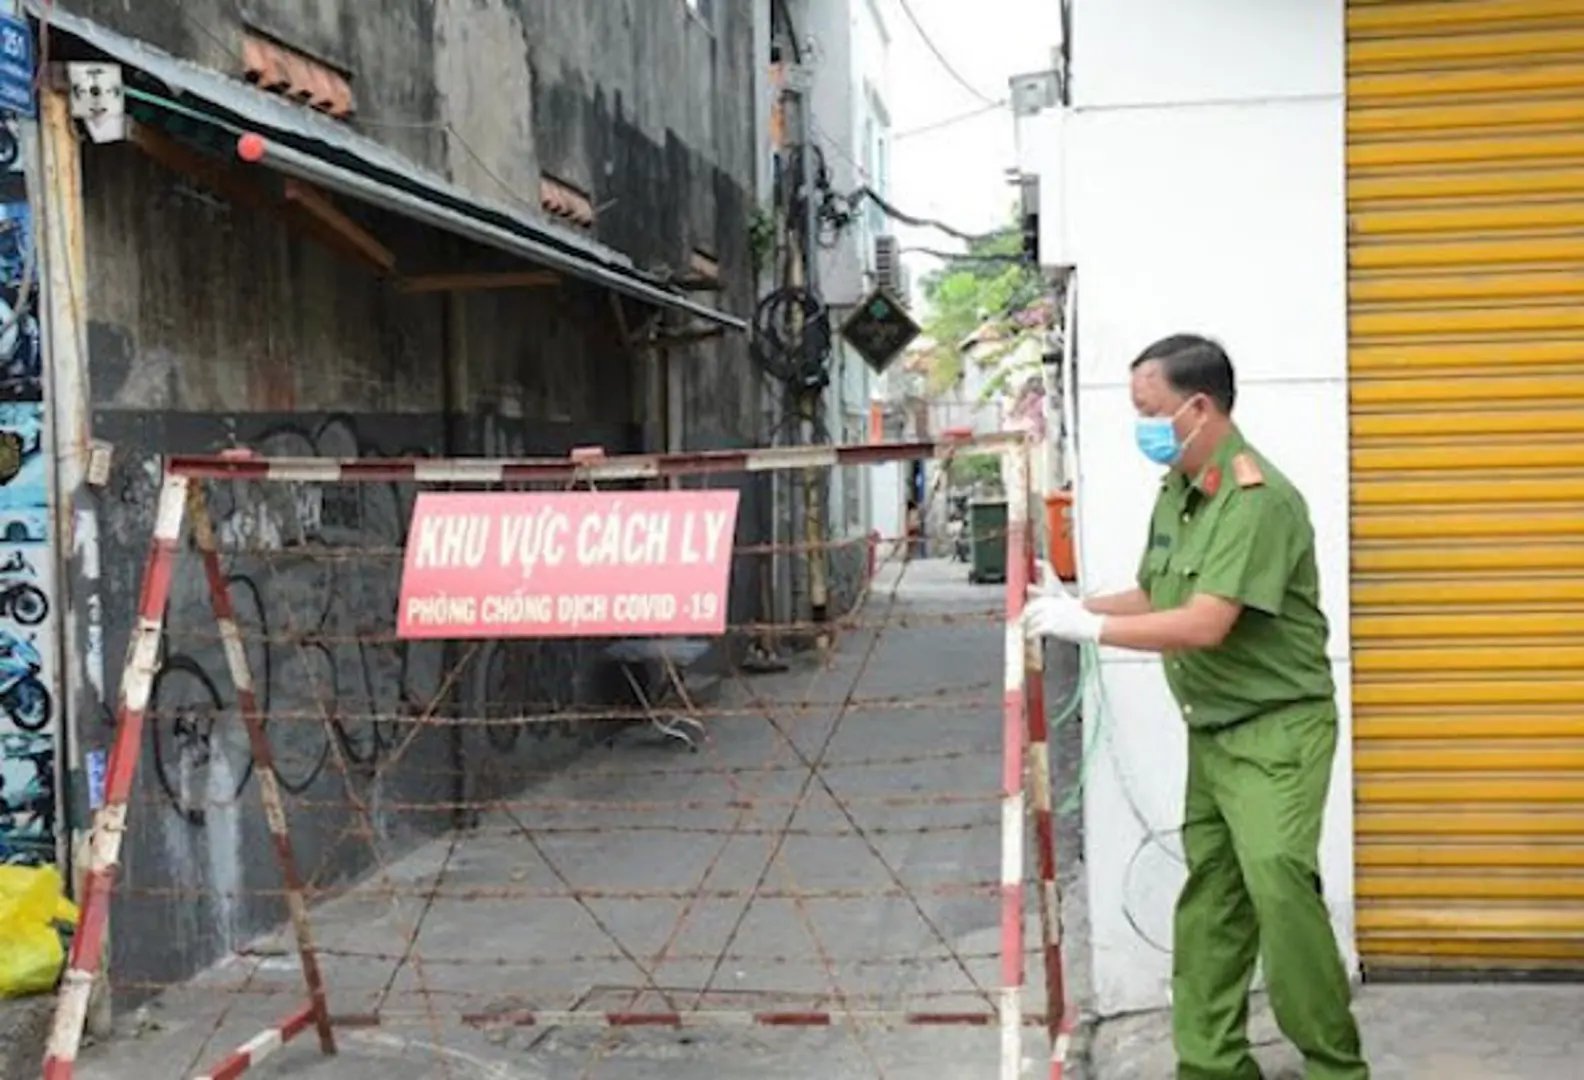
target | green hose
x=1072, y=708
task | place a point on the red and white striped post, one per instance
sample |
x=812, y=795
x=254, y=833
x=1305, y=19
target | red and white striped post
x=1015, y=479
x=566, y=470
x=1045, y=838
x=263, y=760
x=104, y=845
x=255, y=1050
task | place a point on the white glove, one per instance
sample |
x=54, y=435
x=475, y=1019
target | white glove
x=1049, y=584
x=1063, y=617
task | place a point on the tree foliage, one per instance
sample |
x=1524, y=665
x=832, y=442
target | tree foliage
x=982, y=286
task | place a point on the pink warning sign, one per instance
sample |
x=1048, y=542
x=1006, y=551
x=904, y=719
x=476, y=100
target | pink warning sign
x=568, y=564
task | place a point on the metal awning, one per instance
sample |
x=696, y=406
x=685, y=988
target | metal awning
x=302, y=143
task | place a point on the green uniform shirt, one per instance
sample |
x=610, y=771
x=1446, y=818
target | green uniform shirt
x=1240, y=530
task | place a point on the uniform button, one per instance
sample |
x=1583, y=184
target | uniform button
x=1187, y=710
x=1185, y=517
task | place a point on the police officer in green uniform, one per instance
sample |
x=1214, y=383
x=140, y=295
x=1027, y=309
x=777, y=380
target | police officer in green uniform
x=1228, y=594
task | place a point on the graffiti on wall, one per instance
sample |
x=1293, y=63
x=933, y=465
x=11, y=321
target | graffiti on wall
x=323, y=664
x=27, y=707
x=314, y=573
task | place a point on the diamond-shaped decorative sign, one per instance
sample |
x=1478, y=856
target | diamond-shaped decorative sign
x=880, y=328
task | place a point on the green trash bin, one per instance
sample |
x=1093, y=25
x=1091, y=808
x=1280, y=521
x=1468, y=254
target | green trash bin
x=987, y=532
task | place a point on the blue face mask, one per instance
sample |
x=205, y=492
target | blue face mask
x=1157, y=437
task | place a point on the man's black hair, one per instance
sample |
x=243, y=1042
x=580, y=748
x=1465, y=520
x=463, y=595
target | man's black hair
x=1192, y=364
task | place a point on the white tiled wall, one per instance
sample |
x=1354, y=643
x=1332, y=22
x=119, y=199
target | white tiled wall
x=1208, y=197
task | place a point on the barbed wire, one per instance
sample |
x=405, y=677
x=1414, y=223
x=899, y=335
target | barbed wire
x=478, y=780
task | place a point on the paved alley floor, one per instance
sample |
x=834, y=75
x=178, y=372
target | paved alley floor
x=1527, y=1032
x=791, y=910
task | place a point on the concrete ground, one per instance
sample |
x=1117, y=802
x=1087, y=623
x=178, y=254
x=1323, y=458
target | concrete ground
x=24, y=1028
x=537, y=910
x=1530, y=1032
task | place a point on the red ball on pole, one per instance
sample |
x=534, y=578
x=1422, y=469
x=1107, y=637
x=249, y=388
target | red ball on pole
x=250, y=148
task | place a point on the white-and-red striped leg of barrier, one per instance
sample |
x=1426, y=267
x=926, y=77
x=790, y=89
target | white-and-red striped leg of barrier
x=264, y=762
x=261, y=1046
x=1045, y=847
x=1063, y=1040
x=104, y=846
x=1015, y=475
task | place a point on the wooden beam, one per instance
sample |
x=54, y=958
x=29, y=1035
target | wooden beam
x=697, y=282
x=516, y=279
x=622, y=326
x=237, y=187
x=318, y=205
x=212, y=174
x=78, y=592
x=684, y=337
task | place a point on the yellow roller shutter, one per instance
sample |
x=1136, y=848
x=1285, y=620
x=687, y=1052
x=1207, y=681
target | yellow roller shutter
x=1466, y=294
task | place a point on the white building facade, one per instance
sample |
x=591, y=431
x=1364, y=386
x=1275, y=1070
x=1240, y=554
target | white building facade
x=1376, y=208
x=1202, y=189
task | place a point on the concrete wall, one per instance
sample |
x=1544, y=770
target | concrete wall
x=1203, y=190
x=493, y=93
x=211, y=326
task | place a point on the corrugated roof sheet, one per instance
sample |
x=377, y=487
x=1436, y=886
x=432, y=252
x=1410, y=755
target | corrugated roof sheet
x=315, y=133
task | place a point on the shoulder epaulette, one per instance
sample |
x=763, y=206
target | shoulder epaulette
x=1246, y=471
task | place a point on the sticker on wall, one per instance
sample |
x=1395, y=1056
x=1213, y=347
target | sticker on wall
x=21, y=351
x=22, y=527
x=28, y=719
x=10, y=148
x=27, y=797
x=95, y=765
x=24, y=467
x=13, y=179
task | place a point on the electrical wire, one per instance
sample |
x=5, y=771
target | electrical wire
x=780, y=12
x=1097, y=735
x=949, y=121
x=940, y=57
x=891, y=211
x=826, y=137
x=1151, y=835
x=962, y=256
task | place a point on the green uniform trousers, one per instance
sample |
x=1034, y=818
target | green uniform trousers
x=1251, y=837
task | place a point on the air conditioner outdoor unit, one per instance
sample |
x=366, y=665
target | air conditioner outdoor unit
x=888, y=265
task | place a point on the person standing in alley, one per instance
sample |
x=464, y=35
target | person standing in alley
x=915, y=531
x=1228, y=593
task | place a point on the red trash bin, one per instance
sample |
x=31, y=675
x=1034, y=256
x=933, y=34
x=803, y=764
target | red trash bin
x=1061, y=552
